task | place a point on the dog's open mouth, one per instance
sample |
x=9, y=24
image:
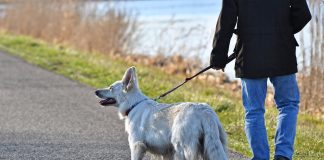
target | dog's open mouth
x=108, y=101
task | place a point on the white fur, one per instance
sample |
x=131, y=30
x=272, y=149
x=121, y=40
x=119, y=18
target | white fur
x=182, y=131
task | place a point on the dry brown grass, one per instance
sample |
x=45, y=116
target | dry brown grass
x=312, y=74
x=74, y=23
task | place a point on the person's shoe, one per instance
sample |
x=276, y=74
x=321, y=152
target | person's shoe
x=280, y=158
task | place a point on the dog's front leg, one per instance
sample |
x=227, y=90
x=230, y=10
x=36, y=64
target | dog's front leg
x=138, y=150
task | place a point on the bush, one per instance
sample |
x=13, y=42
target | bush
x=73, y=22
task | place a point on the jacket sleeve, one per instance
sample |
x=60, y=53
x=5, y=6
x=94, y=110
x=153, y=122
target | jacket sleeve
x=223, y=33
x=299, y=14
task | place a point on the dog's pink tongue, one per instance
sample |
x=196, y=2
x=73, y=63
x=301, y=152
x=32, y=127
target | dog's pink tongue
x=107, y=101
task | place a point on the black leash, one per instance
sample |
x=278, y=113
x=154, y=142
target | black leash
x=230, y=58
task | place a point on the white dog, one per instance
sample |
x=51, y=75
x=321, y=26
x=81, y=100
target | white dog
x=182, y=131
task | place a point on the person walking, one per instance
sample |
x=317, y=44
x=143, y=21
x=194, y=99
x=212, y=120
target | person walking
x=265, y=49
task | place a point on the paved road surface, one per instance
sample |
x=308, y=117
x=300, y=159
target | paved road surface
x=47, y=116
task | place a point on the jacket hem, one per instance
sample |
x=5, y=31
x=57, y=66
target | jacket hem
x=264, y=75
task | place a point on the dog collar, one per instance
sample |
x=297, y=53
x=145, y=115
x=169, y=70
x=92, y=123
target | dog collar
x=133, y=106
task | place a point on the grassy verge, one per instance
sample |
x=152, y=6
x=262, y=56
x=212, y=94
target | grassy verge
x=98, y=70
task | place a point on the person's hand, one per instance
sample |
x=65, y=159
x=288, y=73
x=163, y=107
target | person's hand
x=217, y=62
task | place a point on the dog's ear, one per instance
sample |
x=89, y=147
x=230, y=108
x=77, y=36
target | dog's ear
x=129, y=80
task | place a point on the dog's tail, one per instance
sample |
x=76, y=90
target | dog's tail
x=215, y=144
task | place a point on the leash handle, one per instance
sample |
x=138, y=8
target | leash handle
x=230, y=58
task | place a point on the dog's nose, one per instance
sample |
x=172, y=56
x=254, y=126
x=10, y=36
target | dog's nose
x=97, y=92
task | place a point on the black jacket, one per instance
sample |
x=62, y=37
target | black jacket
x=266, y=45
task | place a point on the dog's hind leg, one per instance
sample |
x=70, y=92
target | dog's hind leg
x=138, y=150
x=185, y=145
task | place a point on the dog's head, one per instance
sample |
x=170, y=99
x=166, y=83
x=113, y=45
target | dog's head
x=119, y=93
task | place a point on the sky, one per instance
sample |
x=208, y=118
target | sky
x=169, y=7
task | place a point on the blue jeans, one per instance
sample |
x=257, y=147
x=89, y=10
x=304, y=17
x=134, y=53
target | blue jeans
x=287, y=101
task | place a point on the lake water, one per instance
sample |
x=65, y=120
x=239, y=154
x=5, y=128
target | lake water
x=190, y=22
x=183, y=27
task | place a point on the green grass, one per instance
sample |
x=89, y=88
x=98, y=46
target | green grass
x=98, y=71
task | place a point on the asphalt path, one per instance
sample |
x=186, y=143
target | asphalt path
x=44, y=115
